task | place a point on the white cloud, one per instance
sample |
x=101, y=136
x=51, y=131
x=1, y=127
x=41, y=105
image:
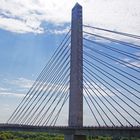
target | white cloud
x=131, y=63
x=27, y=15
x=22, y=85
x=21, y=82
x=12, y=94
x=16, y=88
x=57, y=32
x=95, y=90
x=136, y=63
x=15, y=25
x=6, y=92
x=3, y=89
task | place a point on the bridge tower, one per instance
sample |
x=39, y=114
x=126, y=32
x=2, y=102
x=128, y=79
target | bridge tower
x=76, y=73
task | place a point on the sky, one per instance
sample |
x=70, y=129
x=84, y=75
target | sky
x=30, y=31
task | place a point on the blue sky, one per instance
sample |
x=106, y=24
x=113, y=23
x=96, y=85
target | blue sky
x=29, y=36
x=22, y=57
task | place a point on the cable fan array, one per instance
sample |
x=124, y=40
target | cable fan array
x=45, y=100
x=111, y=83
x=111, y=77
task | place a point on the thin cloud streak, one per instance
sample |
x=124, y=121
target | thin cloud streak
x=11, y=94
x=23, y=85
x=21, y=82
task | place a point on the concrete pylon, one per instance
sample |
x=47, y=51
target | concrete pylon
x=76, y=69
x=76, y=73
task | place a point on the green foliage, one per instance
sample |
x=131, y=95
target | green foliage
x=8, y=135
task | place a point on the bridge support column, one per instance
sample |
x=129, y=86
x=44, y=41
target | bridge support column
x=76, y=74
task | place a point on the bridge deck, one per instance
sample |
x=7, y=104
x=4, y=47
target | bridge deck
x=94, y=131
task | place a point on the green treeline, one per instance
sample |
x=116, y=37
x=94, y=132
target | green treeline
x=9, y=135
x=6, y=135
